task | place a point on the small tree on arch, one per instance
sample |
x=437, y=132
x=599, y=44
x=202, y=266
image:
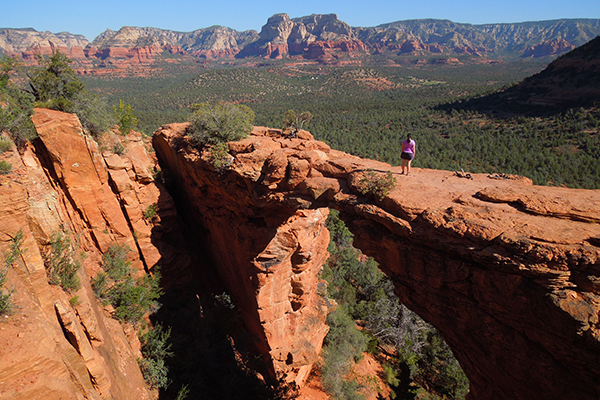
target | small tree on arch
x=295, y=122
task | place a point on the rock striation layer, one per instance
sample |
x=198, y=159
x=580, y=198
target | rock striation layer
x=507, y=272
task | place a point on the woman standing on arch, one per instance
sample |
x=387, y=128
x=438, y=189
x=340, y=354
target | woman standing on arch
x=409, y=149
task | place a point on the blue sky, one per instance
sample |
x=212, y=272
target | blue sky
x=92, y=17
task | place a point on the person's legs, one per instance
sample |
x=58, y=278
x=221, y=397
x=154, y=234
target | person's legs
x=403, y=165
x=408, y=166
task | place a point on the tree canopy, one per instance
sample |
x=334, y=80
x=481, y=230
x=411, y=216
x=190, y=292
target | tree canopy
x=16, y=106
x=54, y=84
x=219, y=123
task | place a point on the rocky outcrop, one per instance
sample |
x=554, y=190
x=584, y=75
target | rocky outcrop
x=485, y=39
x=507, y=272
x=569, y=82
x=548, y=48
x=312, y=37
x=269, y=259
x=59, y=345
x=145, y=45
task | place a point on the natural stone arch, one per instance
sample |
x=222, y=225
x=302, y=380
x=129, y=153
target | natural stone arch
x=506, y=271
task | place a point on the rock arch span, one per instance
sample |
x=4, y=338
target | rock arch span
x=508, y=272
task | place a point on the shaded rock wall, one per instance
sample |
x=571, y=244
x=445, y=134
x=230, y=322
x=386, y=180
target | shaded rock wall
x=507, y=272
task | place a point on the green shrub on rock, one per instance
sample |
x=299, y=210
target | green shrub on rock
x=5, y=167
x=63, y=263
x=9, y=259
x=378, y=185
x=220, y=123
x=5, y=145
x=125, y=118
x=131, y=297
x=156, y=348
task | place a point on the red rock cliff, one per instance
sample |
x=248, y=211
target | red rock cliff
x=268, y=257
x=507, y=272
x=59, y=345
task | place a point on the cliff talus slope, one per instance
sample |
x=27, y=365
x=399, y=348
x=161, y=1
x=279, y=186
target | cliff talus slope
x=507, y=272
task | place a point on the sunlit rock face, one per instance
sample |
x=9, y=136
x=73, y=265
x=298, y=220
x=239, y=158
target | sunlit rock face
x=269, y=257
x=56, y=344
x=506, y=271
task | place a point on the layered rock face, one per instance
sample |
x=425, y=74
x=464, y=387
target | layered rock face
x=319, y=37
x=313, y=37
x=547, y=48
x=507, y=272
x=27, y=43
x=210, y=42
x=59, y=345
x=268, y=257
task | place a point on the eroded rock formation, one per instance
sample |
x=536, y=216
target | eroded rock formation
x=269, y=259
x=26, y=43
x=59, y=345
x=320, y=37
x=507, y=272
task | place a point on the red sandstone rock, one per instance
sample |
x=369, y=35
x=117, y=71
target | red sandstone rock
x=272, y=259
x=50, y=348
x=320, y=49
x=548, y=48
x=411, y=46
x=79, y=167
x=506, y=271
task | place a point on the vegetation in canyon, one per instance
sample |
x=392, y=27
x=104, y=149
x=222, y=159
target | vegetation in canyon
x=370, y=318
x=10, y=257
x=132, y=297
x=63, y=262
x=125, y=118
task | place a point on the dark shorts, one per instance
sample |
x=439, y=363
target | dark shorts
x=407, y=156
